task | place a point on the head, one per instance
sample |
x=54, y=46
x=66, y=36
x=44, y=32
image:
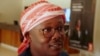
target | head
x=47, y=38
x=78, y=23
x=43, y=30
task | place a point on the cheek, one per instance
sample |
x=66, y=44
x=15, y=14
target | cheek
x=38, y=40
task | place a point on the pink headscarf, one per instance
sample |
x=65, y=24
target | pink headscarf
x=35, y=15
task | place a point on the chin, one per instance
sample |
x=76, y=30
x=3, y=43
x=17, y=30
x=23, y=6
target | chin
x=55, y=53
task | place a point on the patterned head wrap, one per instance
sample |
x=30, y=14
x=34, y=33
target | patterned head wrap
x=35, y=15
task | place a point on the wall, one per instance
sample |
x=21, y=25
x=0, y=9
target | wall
x=97, y=29
x=62, y=3
x=10, y=10
x=28, y=2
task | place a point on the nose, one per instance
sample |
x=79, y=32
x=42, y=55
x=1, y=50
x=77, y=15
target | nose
x=57, y=35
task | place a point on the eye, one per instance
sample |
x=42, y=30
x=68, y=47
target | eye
x=47, y=30
x=60, y=28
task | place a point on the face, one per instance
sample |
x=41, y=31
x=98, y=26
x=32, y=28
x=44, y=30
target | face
x=79, y=23
x=47, y=38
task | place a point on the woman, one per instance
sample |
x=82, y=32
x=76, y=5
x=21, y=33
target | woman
x=42, y=26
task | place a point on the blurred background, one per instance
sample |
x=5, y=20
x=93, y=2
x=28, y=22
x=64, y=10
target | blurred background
x=89, y=10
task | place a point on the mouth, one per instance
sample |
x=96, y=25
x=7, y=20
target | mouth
x=56, y=46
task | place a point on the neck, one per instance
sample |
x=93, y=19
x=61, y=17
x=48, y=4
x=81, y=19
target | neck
x=35, y=52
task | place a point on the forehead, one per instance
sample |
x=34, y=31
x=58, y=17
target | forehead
x=54, y=21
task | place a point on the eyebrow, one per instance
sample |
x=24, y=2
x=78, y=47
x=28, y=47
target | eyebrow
x=57, y=22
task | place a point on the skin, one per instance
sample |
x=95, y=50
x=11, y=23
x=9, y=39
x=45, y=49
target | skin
x=78, y=25
x=43, y=45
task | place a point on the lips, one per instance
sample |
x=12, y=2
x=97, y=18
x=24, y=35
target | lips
x=56, y=46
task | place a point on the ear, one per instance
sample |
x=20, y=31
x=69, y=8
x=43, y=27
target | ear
x=27, y=35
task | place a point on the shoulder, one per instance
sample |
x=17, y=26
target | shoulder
x=26, y=53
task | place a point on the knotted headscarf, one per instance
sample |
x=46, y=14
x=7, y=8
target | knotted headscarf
x=36, y=14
